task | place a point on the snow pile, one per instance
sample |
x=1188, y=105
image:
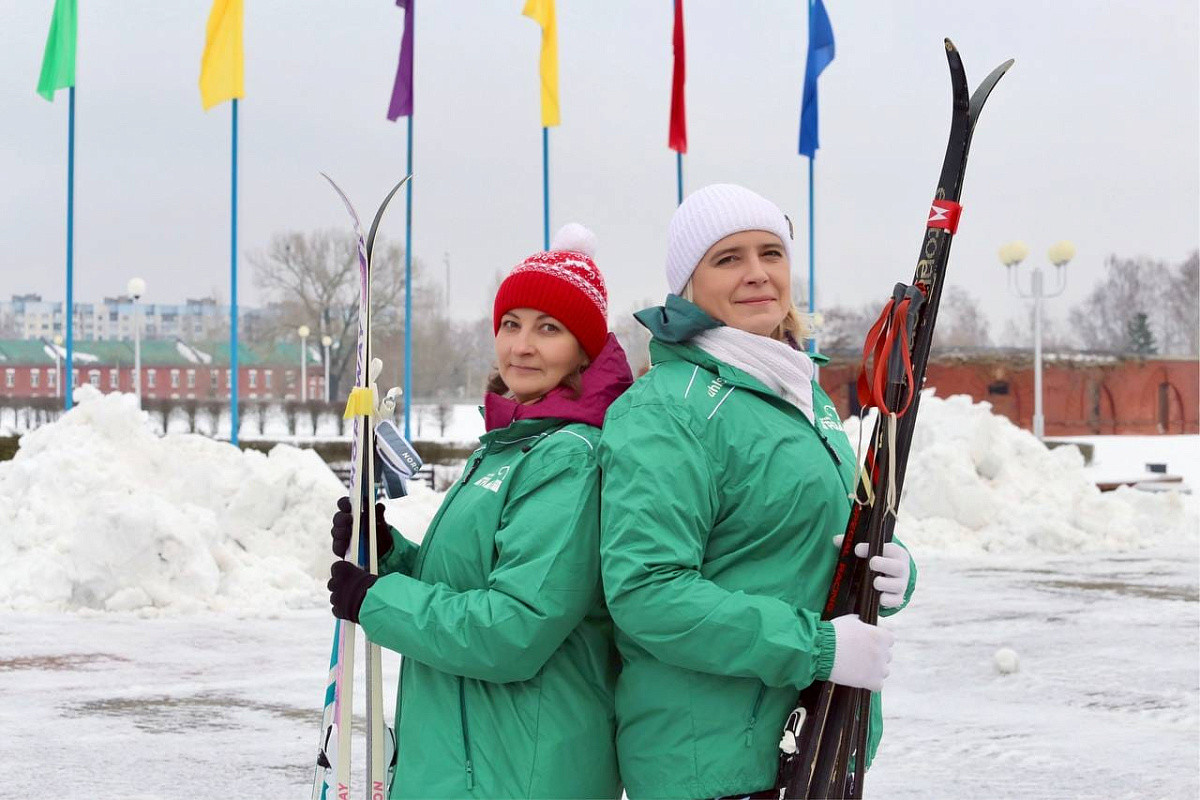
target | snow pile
x=975, y=481
x=97, y=511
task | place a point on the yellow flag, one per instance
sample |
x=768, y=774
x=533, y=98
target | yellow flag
x=542, y=12
x=222, y=65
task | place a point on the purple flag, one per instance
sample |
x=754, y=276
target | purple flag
x=402, y=91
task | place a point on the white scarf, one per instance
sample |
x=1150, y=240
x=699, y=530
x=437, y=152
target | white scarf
x=782, y=369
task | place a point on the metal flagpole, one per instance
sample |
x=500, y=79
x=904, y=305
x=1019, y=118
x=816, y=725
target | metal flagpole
x=408, y=397
x=545, y=188
x=678, y=178
x=233, y=302
x=70, y=309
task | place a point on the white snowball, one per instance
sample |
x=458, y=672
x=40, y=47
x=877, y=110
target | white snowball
x=1006, y=661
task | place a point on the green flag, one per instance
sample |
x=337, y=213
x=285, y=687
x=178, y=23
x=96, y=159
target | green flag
x=58, y=65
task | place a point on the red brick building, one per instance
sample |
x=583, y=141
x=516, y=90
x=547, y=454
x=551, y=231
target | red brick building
x=170, y=369
x=1081, y=394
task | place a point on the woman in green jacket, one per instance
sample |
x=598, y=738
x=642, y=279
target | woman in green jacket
x=509, y=669
x=727, y=477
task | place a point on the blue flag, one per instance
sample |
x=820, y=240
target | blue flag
x=820, y=53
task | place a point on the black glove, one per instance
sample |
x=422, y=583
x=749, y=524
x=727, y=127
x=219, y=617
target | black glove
x=343, y=521
x=348, y=585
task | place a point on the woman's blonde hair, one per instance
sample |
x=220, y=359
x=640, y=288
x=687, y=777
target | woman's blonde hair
x=794, y=324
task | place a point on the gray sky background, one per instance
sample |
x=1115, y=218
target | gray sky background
x=1092, y=136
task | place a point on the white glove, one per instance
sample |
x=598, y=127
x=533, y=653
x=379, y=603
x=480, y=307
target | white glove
x=861, y=653
x=893, y=567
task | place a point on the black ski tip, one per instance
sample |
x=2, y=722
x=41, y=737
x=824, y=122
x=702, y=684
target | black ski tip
x=379, y=215
x=950, y=48
x=980, y=95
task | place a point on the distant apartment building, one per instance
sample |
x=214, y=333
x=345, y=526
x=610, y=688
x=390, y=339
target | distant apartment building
x=29, y=317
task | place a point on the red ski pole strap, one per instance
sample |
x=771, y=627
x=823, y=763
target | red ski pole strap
x=944, y=214
x=873, y=346
x=873, y=371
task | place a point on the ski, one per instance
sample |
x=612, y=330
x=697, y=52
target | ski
x=824, y=745
x=332, y=778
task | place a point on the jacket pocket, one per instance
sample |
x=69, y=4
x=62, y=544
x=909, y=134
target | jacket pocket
x=466, y=734
x=753, y=719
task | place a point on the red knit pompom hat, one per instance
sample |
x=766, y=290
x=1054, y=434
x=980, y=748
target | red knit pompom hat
x=564, y=283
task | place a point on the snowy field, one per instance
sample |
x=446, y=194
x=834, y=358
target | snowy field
x=165, y=631
x=459, y=423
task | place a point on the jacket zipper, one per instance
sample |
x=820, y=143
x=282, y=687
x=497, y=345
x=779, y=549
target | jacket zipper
x=762, y=690
x=836, y=458
x=431, y=534
x=462, y=707
x=474, y=465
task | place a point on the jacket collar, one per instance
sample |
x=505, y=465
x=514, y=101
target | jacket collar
x=676, y=322
x=602, y=382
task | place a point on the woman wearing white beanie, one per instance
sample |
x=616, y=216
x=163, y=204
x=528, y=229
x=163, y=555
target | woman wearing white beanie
x=726, y=478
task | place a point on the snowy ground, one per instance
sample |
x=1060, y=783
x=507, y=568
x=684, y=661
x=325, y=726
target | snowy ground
x=454, y=423
x=164, y=633
x=1105, y=703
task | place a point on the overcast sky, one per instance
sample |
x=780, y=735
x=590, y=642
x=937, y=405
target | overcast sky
x=1092, y=136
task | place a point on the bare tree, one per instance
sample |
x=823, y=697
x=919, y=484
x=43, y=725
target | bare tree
x=1181, y=309
x=845, y=328
x=1130, y=286
x=312, y=279
x=960, y=323
x=1055, y=335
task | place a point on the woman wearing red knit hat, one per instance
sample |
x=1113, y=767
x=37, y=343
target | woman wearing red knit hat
x=509, y=669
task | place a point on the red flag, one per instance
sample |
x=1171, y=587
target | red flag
x=677, y=139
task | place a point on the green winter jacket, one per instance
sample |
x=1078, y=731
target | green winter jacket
x=509, y=668
x=719, y=506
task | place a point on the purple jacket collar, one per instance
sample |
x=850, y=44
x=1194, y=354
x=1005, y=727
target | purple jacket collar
x=603, y=382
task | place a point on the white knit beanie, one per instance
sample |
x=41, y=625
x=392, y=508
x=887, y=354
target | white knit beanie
x=707, y=216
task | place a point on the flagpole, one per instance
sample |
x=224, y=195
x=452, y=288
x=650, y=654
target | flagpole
x=70, y=310
x=545, y=188
x=233, y=302
x=408, y=398
x=678, y=178
x=812, y=269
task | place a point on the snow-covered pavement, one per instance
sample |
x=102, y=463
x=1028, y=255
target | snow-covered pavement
x=1106, y=702
x=163, y=632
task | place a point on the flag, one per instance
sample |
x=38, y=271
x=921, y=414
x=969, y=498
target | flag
x=223, y=62
x=58, y=63
x=677, y=139
x=402, y=89
x=820, y=53
x=542, y=12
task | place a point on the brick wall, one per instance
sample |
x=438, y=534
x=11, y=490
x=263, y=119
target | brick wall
x=1080, y=397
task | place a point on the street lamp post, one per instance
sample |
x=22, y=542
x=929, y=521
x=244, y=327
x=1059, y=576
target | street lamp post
x=325, y=342
x=1011, y=256
x=136, y=288
x=58, y=340
x=303, y=331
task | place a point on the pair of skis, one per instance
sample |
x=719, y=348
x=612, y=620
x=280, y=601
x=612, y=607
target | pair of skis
x=823, y=751
x=332, y=778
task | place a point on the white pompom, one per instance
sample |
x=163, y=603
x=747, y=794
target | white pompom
x=575, y=237
x=1006, y=661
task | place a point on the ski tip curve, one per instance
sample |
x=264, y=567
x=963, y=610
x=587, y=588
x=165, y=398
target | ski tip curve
x=379, y=214
x=950, y=48
x=346, y=202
